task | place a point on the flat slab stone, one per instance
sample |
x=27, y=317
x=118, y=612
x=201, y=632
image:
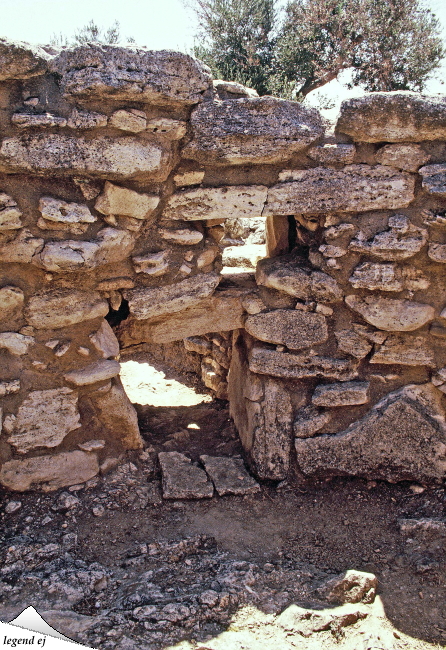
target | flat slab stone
x=103, y=157
x=229, y=475
x=163, y=78
x=61, y=308
x=151, y=303
x=401, y=241
x=393, y=117
x=297, y=366
x=402, y=438
x=390, y=314
x=348, y=393
x=20, y=60
x=294, y=329
x=181, y=479
x=49, y=473
x=354, y=188
x=405, y=351
x=44, y=418
x=99, y=371
x=203, y=203
x=251, y=130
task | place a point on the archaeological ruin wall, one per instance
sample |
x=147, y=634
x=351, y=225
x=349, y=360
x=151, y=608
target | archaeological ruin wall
x=118, y=169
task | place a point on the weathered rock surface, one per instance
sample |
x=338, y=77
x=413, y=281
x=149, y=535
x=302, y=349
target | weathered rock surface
x=11, y=301
x=351, y=587
x=352, y=189
x=347, y=393
x=309, y=420
x=61, y=308
x=20, y=60
x=437, y=253
x=182, y=236
x=402, y=438
x=44, y=418
x=9, y=213
x=401, y=241
x=22, y=248
x=102, y=157
x=15, y=343
x=329, y=154
x=124, y=202
x=287, y=275
x=95, y=372
x=151, y=303
x=232, y=90
x=181, y=479
x=45, y=120
x=434, y=179
x=204, y=203
x=376, y=277
x=252, y=130
x=117, y=414
x=229, y=475
x=9, y=387
x=405, y=351
x=408, y=157
x=162, y=78
x=49, y=472
x=153, y=264
x=105, y=341
x=294, y=329
x=296, y=366
x=393, y=117
x=390, y=314
x=130, y=120
x=353, y=343
x=60, y=211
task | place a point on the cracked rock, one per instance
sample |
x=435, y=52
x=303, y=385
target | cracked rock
x=181, y=479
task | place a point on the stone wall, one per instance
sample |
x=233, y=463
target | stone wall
x=118, y=169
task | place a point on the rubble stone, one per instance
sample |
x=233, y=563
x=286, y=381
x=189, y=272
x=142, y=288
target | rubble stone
x=355, y=188
x=105, y=341
x=401, y=241
x=181, y=479
x=251, y=130
x=130, y=120
x=405, y=351
x=348, y=393
x=11, y=301
x=229, y=475
x=434, y=179
x=353, y=343
x=86, y=120
x=9, y=213
x=15, y=343
x=329, y=154
x=205, y=203
x=437, y=253
x=56, y=210
x=390, y=314
x=408, y=157
x=95, y=372
x=297, y=366
x=309, y=420
x=168, y=128
x=376, y=277
x=294, y=329
x=45, y=120
x=124, y=202
x=22, y=248
x=117, y=414
x=351, y=587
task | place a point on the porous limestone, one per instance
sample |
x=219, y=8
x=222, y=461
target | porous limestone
x=124, y=202
x=294, y=329
x=391, y=314
x=348, y=393
x=205, y=203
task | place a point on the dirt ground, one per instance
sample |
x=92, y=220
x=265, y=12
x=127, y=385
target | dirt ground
x=113, y=565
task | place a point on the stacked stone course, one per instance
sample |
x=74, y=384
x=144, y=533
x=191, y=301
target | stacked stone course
x=118, y=168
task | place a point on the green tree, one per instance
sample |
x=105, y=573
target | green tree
x=91, y=33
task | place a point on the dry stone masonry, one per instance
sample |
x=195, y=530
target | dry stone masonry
x=118, y=170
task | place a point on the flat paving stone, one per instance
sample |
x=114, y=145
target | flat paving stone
x=229, y=475
x=181, y=479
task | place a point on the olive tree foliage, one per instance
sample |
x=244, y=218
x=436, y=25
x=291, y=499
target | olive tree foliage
x=387, y=44
x=92, y=33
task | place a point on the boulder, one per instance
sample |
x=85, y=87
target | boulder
x=294, y=329
x=393, y=117
x=64, y=307
x=161, y=78
x=102, y=157
x=205, y=203
x=403, y=437
x=20, y=60
x=355, y=188
x=252, y=130
x=390, y=314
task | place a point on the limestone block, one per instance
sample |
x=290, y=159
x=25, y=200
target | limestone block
x=117, y=414
x=401, y=438
x=65, y=307
x=329, y=154
x=44, y=418
x=405, y=351
x=153, y=264
x=9, y=387
x=86, y=120
x=232, y=90
x=253, y=130
x=162, y=78
x=434, y=179
x=22, y=248
x=408, y=157
x=20, y=60
x=9, y=213
x=11, y=302
x=437, y=253
x=221, y=312
x=294, y=329
x=288, y=275
x=181, y=479
x=188, y=178
x=355, y=188
x=309, y=420
x=168, y=128
x=102, y=157
x=390, y=314
x=297, y=366
x=376, y=277
x=44, y=120
x=93, y=373
x=49, y=472
x=14, y=343
x=124, y=202
x=182, y=236
x=56, y=210
x=105, y=341
x=347, y=393
x=401, y=241
x=353, y=343
x=130, y=120
x=393, y=117
x=197, y=344
x=205, y=203
x=151, y=303
x=229, y=475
